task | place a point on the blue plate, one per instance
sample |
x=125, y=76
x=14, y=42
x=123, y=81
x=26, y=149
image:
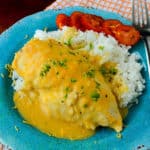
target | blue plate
x=137, y=131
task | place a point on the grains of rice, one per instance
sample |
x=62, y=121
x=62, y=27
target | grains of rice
x=129, y=69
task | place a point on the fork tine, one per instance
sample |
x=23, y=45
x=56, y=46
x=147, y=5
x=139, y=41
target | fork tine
x=142, y=16
x=146, y=13
x=133, y=13
x=138, y=12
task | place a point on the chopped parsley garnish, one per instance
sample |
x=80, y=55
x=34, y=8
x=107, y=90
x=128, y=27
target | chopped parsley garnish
x=16, y=128
x=2, y=75
x=103, y=70
x=54, y=62
x=45, y=70
x=85, y=105
x=45, y=29
x=62, y=63
x=85, y=57
x=91, y=46
x=57, y=73
x=9, y=69
x=113, y=71
x=26, y=36
x=95, y=96
x=73, y=80
x=90, y=73
x=108, y=71
x=66, y=95
x=72, y=53
x=67, y=89
x=119, y=135
x=25, y=122
x=82, y=87
x=101, y=47
x=68, y=43
x=97, y=85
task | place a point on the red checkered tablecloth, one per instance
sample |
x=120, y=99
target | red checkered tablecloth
x=123, y=7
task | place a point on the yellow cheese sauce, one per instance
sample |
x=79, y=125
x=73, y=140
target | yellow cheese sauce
x=32, y=112
x=64, y=93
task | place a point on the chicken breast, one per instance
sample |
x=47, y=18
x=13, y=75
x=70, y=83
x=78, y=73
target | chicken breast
x=64, y=93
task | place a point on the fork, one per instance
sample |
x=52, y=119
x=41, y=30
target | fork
x=140, y=17
x=140, y=20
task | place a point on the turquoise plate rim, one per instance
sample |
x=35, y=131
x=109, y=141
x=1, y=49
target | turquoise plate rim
x=28, y=138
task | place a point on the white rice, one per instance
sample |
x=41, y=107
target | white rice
x=107, y=47
x=17, y=81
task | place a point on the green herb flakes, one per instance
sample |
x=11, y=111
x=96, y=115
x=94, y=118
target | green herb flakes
x=90, y=73
x=72, y=53
x=82, y=87
x=91, y=46
x=54, y=62
x=103, y=70
x=68, y=43
x=95, y=96
x=66, y=95
x=62, y=63
x=113, y=71
x=57, y=73
x=85, y=105
x=26, y=36
x=62, y=101
x=10, y=69
x=16, y=128
x=45, y=70
x=108, y=71
x=73, y=80
x=45, y=29
x=2, y=75
x=97, y=85
x=101, y=47
x=67, y=89
x=25, y=122
x=119, y=135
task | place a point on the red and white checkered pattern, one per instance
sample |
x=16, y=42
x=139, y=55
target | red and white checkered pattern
x=123, y=7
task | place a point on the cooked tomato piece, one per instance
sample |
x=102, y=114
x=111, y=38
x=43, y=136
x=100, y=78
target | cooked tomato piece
x=127, y=35
x=92, y=22
x=75, y=20
x=109, y=26
x=62, y=20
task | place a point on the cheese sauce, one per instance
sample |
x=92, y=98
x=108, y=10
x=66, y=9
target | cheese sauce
x=64, y=92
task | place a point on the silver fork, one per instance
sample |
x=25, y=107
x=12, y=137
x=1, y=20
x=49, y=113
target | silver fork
x=140, y=17
x=140, y=20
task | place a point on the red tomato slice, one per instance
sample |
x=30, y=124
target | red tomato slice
x=75, y=20
x=62, y=20
x=109, y=26
x=127, y=35
x=92, y=22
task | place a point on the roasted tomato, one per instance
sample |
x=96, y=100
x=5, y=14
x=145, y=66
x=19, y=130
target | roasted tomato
x=62, y=20
x=92, y=22
x=109, y=26
x=75, y=20
x=127, y=35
